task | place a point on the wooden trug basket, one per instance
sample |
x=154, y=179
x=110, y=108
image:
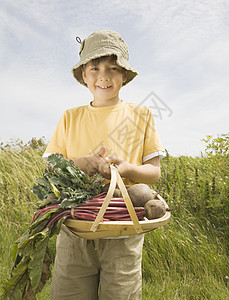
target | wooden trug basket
x=103, y=229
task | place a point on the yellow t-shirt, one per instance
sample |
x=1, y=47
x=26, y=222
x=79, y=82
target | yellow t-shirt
x=126, y=129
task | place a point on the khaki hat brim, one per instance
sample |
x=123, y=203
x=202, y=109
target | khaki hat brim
x=131, y=73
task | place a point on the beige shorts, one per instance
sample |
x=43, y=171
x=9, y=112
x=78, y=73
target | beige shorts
x=104, y=269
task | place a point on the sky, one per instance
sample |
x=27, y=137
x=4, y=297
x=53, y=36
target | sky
x=180, y=49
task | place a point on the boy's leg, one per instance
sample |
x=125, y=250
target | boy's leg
x=120, y=275
x=76, y=273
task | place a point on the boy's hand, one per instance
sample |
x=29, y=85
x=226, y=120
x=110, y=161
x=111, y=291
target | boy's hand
x=104, y=163
x=90, y=164
x=147, y=173
x=120, y=164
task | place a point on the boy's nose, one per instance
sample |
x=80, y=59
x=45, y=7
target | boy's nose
x=104, y=79
x=104, y=76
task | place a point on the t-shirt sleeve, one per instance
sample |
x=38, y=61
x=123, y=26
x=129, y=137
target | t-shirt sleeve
x=57, y=143
x=152, y=143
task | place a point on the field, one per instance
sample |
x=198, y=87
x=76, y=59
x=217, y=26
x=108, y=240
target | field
x=186, y=259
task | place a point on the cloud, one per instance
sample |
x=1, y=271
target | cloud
x=180, y=49
x=32, y=101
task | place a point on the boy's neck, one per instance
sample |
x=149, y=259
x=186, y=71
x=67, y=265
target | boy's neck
x=100, y=103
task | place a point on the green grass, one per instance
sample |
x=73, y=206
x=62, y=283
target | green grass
x=186, y=259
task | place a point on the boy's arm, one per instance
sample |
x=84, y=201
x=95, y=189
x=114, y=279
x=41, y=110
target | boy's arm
x=147, y=173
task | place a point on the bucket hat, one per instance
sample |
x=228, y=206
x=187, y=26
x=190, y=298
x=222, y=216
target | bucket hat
x=103, y=43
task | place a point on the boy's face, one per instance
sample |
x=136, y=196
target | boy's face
x=104, y=81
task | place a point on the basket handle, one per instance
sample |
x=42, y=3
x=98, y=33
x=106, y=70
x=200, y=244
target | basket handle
x=129, y=204
x=115, y=177
x=106, y=200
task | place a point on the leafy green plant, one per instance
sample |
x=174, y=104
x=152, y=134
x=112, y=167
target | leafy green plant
x=219, y=145
x=67, y=183
x=31, y=264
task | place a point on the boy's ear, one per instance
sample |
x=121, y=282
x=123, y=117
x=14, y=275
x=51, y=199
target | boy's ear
x=84, y=76
x=124, y=76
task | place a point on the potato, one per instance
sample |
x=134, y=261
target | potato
x=117, y=193
x=140, y=193
x=154, y=209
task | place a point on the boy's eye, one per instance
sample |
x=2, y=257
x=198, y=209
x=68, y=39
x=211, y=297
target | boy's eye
x=94, y=68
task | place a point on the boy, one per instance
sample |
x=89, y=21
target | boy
x=108, y=130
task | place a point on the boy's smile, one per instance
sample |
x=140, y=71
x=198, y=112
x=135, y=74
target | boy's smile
x=104, y=81
x=104, y=87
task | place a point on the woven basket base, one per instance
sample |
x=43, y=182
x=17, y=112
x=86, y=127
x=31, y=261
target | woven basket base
x=114, y=228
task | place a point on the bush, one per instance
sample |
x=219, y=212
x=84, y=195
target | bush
x=201, y=186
